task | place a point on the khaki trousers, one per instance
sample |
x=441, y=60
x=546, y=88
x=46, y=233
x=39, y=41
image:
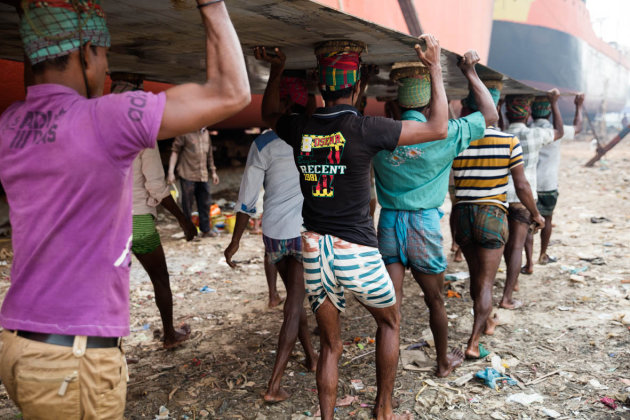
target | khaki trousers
x=50, y=382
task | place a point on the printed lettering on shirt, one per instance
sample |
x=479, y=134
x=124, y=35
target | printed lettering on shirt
x=37, y=127
x=320, y=161
x=137, y=100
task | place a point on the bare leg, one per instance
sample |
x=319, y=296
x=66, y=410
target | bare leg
x=154, y=264
x=291, y=272
x=483, y=264
x=331, y=348
x=397, y=274
x=454, y=247
x=271, y=273
x=387, y=340
x=513, y=260
x=545, y=237
x=432, y=285
x=528, y=268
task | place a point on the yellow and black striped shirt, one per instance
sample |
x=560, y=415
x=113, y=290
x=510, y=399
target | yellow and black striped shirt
x=481, y=171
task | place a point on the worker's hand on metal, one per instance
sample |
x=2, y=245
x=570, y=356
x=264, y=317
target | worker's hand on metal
x=276, y=59
x=430, y=57
x=579, y=99
x=468, y=61
x=229, y=253
x=553, y=95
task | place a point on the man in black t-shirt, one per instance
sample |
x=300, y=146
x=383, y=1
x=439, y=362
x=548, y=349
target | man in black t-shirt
x=333, y=149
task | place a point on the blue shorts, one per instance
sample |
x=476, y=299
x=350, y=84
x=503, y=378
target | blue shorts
x=412, y=238
x=277, y=249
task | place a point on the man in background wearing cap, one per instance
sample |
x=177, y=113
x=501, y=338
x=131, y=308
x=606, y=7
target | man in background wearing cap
x=479, y=216
x=518, y=108
x=333, y=150
x=270, y=163
x=64, y=146
x=411, y=184
x=547, y=176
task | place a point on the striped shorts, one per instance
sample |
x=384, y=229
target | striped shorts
x=277, y=249
x=332, y=265
x=145, y=237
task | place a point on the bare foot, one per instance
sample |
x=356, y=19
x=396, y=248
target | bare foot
x=274, y=301
x=491, y=324
x=181, y=334
x=276, y=397
x=516, y=286
x=472, y=351
x=546, y=259
x=311, y=363
x=527, y=270
x=455, y=358
x=512, y=304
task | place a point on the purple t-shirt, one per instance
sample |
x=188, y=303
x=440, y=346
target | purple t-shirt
x=65, y=163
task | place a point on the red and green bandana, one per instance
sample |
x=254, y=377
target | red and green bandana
x=518, y=106
x=338, y=70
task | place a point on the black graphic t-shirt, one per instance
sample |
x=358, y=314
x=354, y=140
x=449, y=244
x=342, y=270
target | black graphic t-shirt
x=333, y=150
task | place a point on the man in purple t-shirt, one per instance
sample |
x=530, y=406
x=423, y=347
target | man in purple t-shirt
x=65, y=146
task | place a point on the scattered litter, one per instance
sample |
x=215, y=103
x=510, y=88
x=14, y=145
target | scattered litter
x=576, y=278
x=464, y=379
x=574, y=270
x=492, y=378
x=497, y=416
x=203, y=414
x=416, y=360
x=452, y=316
x=482, y=351
x=459, y=276
x=564, y=308
x=453, y=294
x=357, y=384
x=178, y=235
x=163, y=414
x=418, y=345
x=550, y=413
x=206, y=289
x=497, y=364
x=594, y=260
x=525, y=399
x=594, y=383
x=600, y=219
x=608, y=402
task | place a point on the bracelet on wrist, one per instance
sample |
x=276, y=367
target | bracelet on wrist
x=208, y=3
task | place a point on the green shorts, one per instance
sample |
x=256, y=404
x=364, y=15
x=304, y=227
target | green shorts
x=480, y=224
x=145, y=237
x=547, y=202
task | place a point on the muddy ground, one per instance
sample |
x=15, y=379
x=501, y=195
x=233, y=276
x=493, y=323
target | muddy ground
x=568, y=345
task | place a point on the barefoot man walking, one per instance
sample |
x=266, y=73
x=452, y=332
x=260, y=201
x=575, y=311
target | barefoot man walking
x=332, y=150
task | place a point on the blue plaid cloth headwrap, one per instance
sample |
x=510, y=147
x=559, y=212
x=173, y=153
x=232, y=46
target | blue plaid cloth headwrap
x=54, y=28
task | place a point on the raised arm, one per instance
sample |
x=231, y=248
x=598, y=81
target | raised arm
x=480, y=91
x=226, y=91
x=436, y=127
x=271, y=109
x=577, y=119
x=558, y=125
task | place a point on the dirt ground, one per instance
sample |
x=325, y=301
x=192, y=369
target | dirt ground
x=568, y=347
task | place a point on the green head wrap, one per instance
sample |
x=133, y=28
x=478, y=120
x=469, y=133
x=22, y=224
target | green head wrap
x=414, y=92
x=54, y=28
x=541, y=108
x=494, y=86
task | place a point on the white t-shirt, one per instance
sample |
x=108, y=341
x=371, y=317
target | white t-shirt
x=549, y=160
x=532, y=140
x=270, y=164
